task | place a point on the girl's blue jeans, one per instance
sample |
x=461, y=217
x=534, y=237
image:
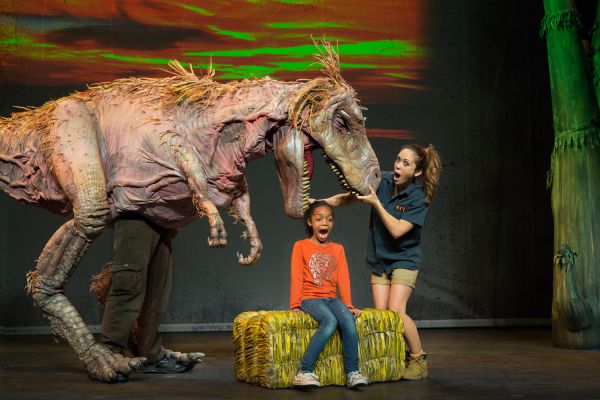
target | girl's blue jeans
x=330, y=313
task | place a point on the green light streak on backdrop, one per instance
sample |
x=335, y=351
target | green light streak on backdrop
x=24, y=46
x=15, y=41
x=391, y=48
x=244, y=72
x=234, y=34
x=398, y=75
x=143, y=60
x=196, y=10
x=357, y=66
x=295, y=65
x=303, y=25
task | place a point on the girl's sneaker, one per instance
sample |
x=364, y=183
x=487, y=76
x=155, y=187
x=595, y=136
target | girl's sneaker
x=306, y=379
x=355, y=379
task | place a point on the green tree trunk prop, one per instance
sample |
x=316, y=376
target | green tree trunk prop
x=596, y=52
x=575, y=180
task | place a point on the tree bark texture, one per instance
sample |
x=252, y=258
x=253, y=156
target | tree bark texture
x=575, y=181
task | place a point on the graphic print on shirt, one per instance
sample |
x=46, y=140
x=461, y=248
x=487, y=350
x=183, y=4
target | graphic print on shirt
x=322, y=266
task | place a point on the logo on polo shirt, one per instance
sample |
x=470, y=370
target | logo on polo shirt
x=401, y=208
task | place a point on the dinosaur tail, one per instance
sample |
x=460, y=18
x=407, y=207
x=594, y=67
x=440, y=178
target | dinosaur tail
x=100, y=283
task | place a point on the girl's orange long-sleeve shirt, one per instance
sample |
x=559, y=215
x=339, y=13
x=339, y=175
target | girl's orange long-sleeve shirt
x=317, y=271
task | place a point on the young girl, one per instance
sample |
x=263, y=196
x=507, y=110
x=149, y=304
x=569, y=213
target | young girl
x=318, y=267
x=399, y=208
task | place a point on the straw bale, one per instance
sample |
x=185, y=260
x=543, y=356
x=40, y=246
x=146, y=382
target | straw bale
x=270, y=344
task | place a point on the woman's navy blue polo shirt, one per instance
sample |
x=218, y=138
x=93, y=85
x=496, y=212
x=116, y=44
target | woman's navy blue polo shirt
x=384, y=253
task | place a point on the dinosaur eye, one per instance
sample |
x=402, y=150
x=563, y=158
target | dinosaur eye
x=340, y=124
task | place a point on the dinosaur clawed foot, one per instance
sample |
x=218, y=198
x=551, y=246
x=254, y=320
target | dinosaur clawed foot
x=255, y=252
x=104, y=365
x=189, y=360
x=218, y=236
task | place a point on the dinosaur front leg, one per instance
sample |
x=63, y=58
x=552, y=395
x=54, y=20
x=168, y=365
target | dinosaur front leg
x=217, y=235
x=78, y=168
x=242, y=206
x=188, y=161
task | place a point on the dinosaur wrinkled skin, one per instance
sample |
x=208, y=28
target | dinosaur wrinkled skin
x=171, y=149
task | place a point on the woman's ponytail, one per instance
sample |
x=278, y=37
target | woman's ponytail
x=428, y=161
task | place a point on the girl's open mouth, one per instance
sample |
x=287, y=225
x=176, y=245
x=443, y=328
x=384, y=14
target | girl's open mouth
x=322, y=234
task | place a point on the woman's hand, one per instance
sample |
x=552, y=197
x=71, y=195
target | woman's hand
x=356, y=312
x=297, y=310
x=340, y=199
x=371, y=198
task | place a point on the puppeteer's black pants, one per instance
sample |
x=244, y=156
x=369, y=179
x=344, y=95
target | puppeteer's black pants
x=141, y=286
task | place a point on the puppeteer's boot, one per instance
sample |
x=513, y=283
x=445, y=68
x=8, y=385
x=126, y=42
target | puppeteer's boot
x=416, y=368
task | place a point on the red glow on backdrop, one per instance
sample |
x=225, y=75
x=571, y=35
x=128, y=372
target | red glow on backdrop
x=58, y=43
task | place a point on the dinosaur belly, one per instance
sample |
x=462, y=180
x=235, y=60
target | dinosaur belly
x=170, y=206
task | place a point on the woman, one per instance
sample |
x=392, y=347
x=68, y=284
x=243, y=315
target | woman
x=399, y=208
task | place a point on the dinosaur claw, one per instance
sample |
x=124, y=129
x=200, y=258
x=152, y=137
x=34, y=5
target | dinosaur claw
x=136, y=363
x=189, y=360
x=104, y=365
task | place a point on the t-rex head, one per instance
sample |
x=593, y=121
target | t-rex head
x=324, y=113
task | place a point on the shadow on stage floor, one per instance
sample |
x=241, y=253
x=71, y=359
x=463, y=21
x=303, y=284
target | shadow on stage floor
x=486, y=363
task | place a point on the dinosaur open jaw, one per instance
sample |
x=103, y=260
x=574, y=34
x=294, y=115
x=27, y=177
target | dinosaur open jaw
x=340, y=176
x=305, y=184
x=307, y=169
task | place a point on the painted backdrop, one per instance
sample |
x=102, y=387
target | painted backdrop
x=469, y=76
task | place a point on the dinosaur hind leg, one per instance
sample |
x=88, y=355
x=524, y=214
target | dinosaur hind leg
x=78, y=168
x=46, y=284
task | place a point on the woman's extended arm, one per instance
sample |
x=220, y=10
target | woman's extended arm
x=340, y=199
x=396, y=227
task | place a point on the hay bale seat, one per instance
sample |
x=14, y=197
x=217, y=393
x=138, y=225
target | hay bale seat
x=269, y=345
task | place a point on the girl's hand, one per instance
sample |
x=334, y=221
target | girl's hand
x=371, y=198
x=297, y=310
x=356, y=312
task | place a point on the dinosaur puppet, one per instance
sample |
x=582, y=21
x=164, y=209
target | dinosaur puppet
x=171, y=149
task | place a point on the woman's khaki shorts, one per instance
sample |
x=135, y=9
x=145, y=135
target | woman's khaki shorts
x=406, y=277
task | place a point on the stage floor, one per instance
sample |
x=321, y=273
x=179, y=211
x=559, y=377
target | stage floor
x=483, y=363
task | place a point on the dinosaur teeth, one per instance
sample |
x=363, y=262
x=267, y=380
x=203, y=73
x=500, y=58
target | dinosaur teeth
x=340, y=175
